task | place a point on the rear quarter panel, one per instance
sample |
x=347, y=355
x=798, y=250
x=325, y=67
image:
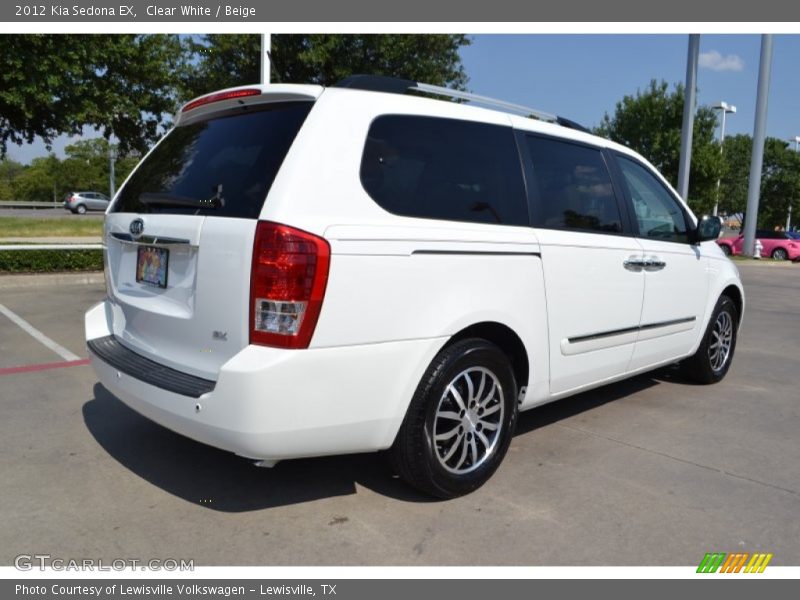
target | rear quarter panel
x=399, y=278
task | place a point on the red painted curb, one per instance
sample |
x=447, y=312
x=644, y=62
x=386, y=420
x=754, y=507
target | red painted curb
x=43, y=367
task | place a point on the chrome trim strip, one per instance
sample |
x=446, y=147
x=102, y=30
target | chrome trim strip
x=150, y=240
x=594, y=336
x=474, y=253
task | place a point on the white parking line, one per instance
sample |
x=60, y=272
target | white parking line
x=36, y=334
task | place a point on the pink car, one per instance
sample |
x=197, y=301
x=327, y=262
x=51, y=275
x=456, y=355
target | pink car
x=775, y=244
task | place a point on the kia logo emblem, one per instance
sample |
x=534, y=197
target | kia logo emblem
x=137, y=227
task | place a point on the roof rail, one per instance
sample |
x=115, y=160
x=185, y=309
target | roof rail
x=395, y=85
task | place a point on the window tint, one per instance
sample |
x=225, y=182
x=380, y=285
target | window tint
x=235, y=157
x=658, y=214
x=574, y=187
x=444, y=169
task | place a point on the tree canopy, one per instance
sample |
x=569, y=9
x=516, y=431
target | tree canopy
x=58, y=84
x=780, y=179
x=650, y=123
x=85, y=167
x=225, y=60
x=128, y=86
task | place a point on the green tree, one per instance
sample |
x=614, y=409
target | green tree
x=84, y=168
x=650, y=123
x=226, y=60
x=57, y=84
x=9, y=171
x=37, y=182
x=780, y=179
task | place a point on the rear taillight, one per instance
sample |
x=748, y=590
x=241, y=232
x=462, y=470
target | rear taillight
x=220, y=96
x=287, y=285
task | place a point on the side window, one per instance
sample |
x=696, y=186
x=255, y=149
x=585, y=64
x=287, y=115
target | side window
x=444, y=169
x=658, y=214
x=574, y=187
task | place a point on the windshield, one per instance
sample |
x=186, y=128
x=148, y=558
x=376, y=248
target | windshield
x=222, y=166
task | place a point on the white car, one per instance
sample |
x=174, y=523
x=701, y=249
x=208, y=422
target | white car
x=302, y=271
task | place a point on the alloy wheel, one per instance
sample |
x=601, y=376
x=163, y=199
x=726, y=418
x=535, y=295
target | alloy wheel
x=721, y=341
x=468, y=420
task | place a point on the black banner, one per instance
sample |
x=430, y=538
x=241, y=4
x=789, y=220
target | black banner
x=372, y=589
x=149, y=11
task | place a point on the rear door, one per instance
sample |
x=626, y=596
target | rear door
x=594, y=299
x=675, y=272
x=180, y=234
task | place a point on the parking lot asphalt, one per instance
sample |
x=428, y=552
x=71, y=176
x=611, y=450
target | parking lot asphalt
x=650, y=471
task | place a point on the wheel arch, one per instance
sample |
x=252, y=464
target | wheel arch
x=504, y=338
x=735, y=294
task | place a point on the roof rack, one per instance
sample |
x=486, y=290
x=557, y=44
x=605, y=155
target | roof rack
x=395, y=85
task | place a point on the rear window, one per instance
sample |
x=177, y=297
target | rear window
x=444, y=169
x=222, y=167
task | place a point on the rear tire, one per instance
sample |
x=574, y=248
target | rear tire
x=726, y=250
x=80, y=209
x=460, y=421
x=713, y=358
x=780, y=254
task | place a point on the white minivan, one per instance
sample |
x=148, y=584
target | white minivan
x=300, y=271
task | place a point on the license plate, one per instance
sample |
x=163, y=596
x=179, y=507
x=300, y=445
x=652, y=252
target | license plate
x=151, y=266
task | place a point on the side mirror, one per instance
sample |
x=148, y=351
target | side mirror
x=708, y=228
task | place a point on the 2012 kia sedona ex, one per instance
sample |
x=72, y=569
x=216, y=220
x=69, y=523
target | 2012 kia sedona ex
x=298, y=271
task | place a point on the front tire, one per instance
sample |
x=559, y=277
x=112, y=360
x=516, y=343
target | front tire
x=460, y=421
x=726, y=250
x=780, y=254
x=713, y=358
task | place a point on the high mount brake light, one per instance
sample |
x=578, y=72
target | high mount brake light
x=287, y=285
x=220, y=96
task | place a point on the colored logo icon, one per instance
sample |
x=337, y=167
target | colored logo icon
x=739, y=562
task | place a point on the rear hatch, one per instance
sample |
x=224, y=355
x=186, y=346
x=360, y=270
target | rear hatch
x=179, y=234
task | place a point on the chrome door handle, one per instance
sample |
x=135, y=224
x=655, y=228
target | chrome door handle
x=633, y=263
x=653, y=264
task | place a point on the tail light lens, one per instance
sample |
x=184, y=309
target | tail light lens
x=287, y=285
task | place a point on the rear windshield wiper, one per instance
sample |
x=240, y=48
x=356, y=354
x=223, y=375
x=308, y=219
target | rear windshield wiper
x=174, y=200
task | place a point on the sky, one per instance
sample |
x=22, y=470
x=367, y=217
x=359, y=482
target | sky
x=583, y=76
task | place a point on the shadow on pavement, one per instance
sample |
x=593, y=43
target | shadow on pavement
x=222, y=481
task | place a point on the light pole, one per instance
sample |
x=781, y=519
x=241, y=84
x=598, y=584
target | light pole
x=266, y=47
x=112, y=155
x=757, y=157
x=687, y=129
x=789, y=213
x=725, y=108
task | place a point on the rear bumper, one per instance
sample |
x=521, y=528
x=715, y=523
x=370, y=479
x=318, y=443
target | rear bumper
x=275, y=404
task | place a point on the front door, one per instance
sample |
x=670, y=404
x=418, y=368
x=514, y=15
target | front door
x=675, y=274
